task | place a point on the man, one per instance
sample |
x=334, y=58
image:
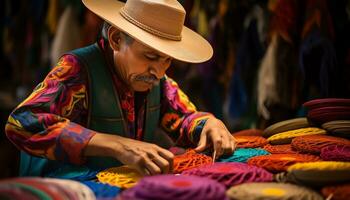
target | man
x=100, y=106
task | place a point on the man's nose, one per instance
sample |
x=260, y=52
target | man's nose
x=158, y=69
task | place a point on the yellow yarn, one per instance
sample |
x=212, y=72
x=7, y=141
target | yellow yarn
x=273, y=192
x=320, y=165
x=123, y=177
x=296, y=133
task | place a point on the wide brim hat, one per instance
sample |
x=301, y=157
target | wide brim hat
x=156, y=24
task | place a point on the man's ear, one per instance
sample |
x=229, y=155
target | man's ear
x=114, y=38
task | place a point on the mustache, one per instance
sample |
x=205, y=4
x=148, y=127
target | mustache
x=147, y=78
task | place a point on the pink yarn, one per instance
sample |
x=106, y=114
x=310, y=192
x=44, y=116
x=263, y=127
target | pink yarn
x=171, y=187
x=231, y=173
x=336, y=153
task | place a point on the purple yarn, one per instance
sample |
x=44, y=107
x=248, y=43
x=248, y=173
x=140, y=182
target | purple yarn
x=168, y=187
x=231, y=173
x=336, y=153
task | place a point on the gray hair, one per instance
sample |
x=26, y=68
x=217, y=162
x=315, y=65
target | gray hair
x=127, y=38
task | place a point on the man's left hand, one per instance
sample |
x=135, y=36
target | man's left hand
x=215, y=132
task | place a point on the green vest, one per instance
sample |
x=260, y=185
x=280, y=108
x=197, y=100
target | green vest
x=105, y=116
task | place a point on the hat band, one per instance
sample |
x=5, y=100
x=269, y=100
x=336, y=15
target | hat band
x=147, y=28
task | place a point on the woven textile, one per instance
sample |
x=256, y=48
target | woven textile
x=167, y=187
x=231, y=173
x=340, y=128
x=248, y=132
x=44, y=188
x=286, y=137
x=339, y=192
x=271, y=191
x=320, y=103
x=190, y=160
x=314, y=143
x=336, y=153
x=250, y=141
x=123, y=177
x=321, y=173
x=280, y=149
x=280, y=162
x=327, y=114
x=243, y=154
x=286, y=125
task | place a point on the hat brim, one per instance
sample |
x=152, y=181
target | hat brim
x=191, y=48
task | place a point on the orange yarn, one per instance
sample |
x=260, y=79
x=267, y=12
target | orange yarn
x=248, y=132
x=280, y=149
x=250, y=141
x=314, y=143
x=190, y=160
x=280, y=162
x=339, y=192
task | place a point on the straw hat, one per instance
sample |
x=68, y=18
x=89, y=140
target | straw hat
x=157, y=24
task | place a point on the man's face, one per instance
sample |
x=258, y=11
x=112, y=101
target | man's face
x=139, y=66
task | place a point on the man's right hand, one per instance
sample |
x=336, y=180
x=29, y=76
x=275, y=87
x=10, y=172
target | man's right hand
x=147, y=158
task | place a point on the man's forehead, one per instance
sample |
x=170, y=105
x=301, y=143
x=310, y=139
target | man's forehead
x=151, y=50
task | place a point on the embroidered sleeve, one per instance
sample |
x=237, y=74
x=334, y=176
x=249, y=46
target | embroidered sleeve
x=49, y=122
x=180, y=118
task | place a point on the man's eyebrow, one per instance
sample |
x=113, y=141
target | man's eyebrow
x=155, y=54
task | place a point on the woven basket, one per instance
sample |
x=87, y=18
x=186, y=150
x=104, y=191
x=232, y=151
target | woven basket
x=327, y=114
x=190, y=160
x=286, y=125
x=248, y=132
x=250, y=141
x=326, y=102
x=123, y=177
x=280, y=162
x=286, y=137
x=280, y=149
x=231, y=173
x=321, y=173
x=339, y=192
x=314, y=143
x=339, y=128
x=271, y=191
x=165, y=187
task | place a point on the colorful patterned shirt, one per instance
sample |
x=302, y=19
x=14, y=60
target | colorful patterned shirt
x=51, y=122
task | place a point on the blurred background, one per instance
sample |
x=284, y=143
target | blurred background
x=270, y=56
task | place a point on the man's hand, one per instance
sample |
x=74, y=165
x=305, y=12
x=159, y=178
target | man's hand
x=215, y=132
x=147, y=158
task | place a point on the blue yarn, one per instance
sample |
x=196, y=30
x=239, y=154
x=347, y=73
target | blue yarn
x=102, y=190
x=243, y=154
x=72, y=172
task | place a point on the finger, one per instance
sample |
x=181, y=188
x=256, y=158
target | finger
x=143, y=170
x=168, y=156
x=234, y=141
x=162, y=163
x=202, y=143
x=227, y=145
x=217, y=143
x=152, y=167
